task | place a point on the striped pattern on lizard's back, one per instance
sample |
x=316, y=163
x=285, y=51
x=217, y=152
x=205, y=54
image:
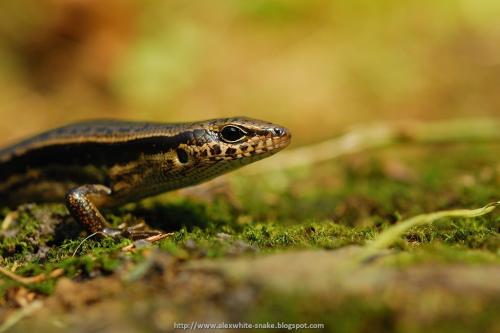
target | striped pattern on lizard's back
x=133, y=159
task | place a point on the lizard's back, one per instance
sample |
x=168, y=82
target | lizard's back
x=43, y=167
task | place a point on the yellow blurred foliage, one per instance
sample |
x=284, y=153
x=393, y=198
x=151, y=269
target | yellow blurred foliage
x=315, y=66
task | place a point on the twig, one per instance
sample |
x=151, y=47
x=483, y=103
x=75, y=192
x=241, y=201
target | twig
x=16, y=316
x=9, y=218
x=32, y=279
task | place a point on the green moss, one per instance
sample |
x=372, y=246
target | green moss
x=308, y=235
x=329, y=206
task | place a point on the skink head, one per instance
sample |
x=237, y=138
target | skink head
x=242, y=140
x=218, y=146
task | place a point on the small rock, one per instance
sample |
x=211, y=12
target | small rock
x=223, y=236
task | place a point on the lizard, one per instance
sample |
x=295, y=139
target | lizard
x=98, y=164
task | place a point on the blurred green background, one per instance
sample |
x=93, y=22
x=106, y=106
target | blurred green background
x=314, y=66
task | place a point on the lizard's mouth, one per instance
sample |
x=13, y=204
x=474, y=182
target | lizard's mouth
x=277, y=139
x=266, y=146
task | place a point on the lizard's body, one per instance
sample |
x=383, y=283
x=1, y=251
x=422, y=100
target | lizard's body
x=108, y=163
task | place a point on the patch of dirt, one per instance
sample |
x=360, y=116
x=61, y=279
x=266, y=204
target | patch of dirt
x=169, y=291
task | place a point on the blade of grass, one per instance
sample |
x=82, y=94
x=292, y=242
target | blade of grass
x=389, y=236
x=377, y=136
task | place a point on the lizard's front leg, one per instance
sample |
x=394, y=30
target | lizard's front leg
x=82, y=203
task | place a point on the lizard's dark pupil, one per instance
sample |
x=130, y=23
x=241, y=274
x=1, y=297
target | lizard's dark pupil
x=232, y=134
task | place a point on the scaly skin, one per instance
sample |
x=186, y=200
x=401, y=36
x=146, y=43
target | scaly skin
x=109, y=163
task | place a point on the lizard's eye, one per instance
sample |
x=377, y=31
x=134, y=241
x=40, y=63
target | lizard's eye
x=232, y=134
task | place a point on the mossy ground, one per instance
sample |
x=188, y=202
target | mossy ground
x=334, y=205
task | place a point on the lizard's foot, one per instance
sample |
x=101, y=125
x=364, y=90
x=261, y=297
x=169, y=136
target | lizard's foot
x=135, y=232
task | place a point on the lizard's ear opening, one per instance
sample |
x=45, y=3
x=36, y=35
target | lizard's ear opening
x=182, y=155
